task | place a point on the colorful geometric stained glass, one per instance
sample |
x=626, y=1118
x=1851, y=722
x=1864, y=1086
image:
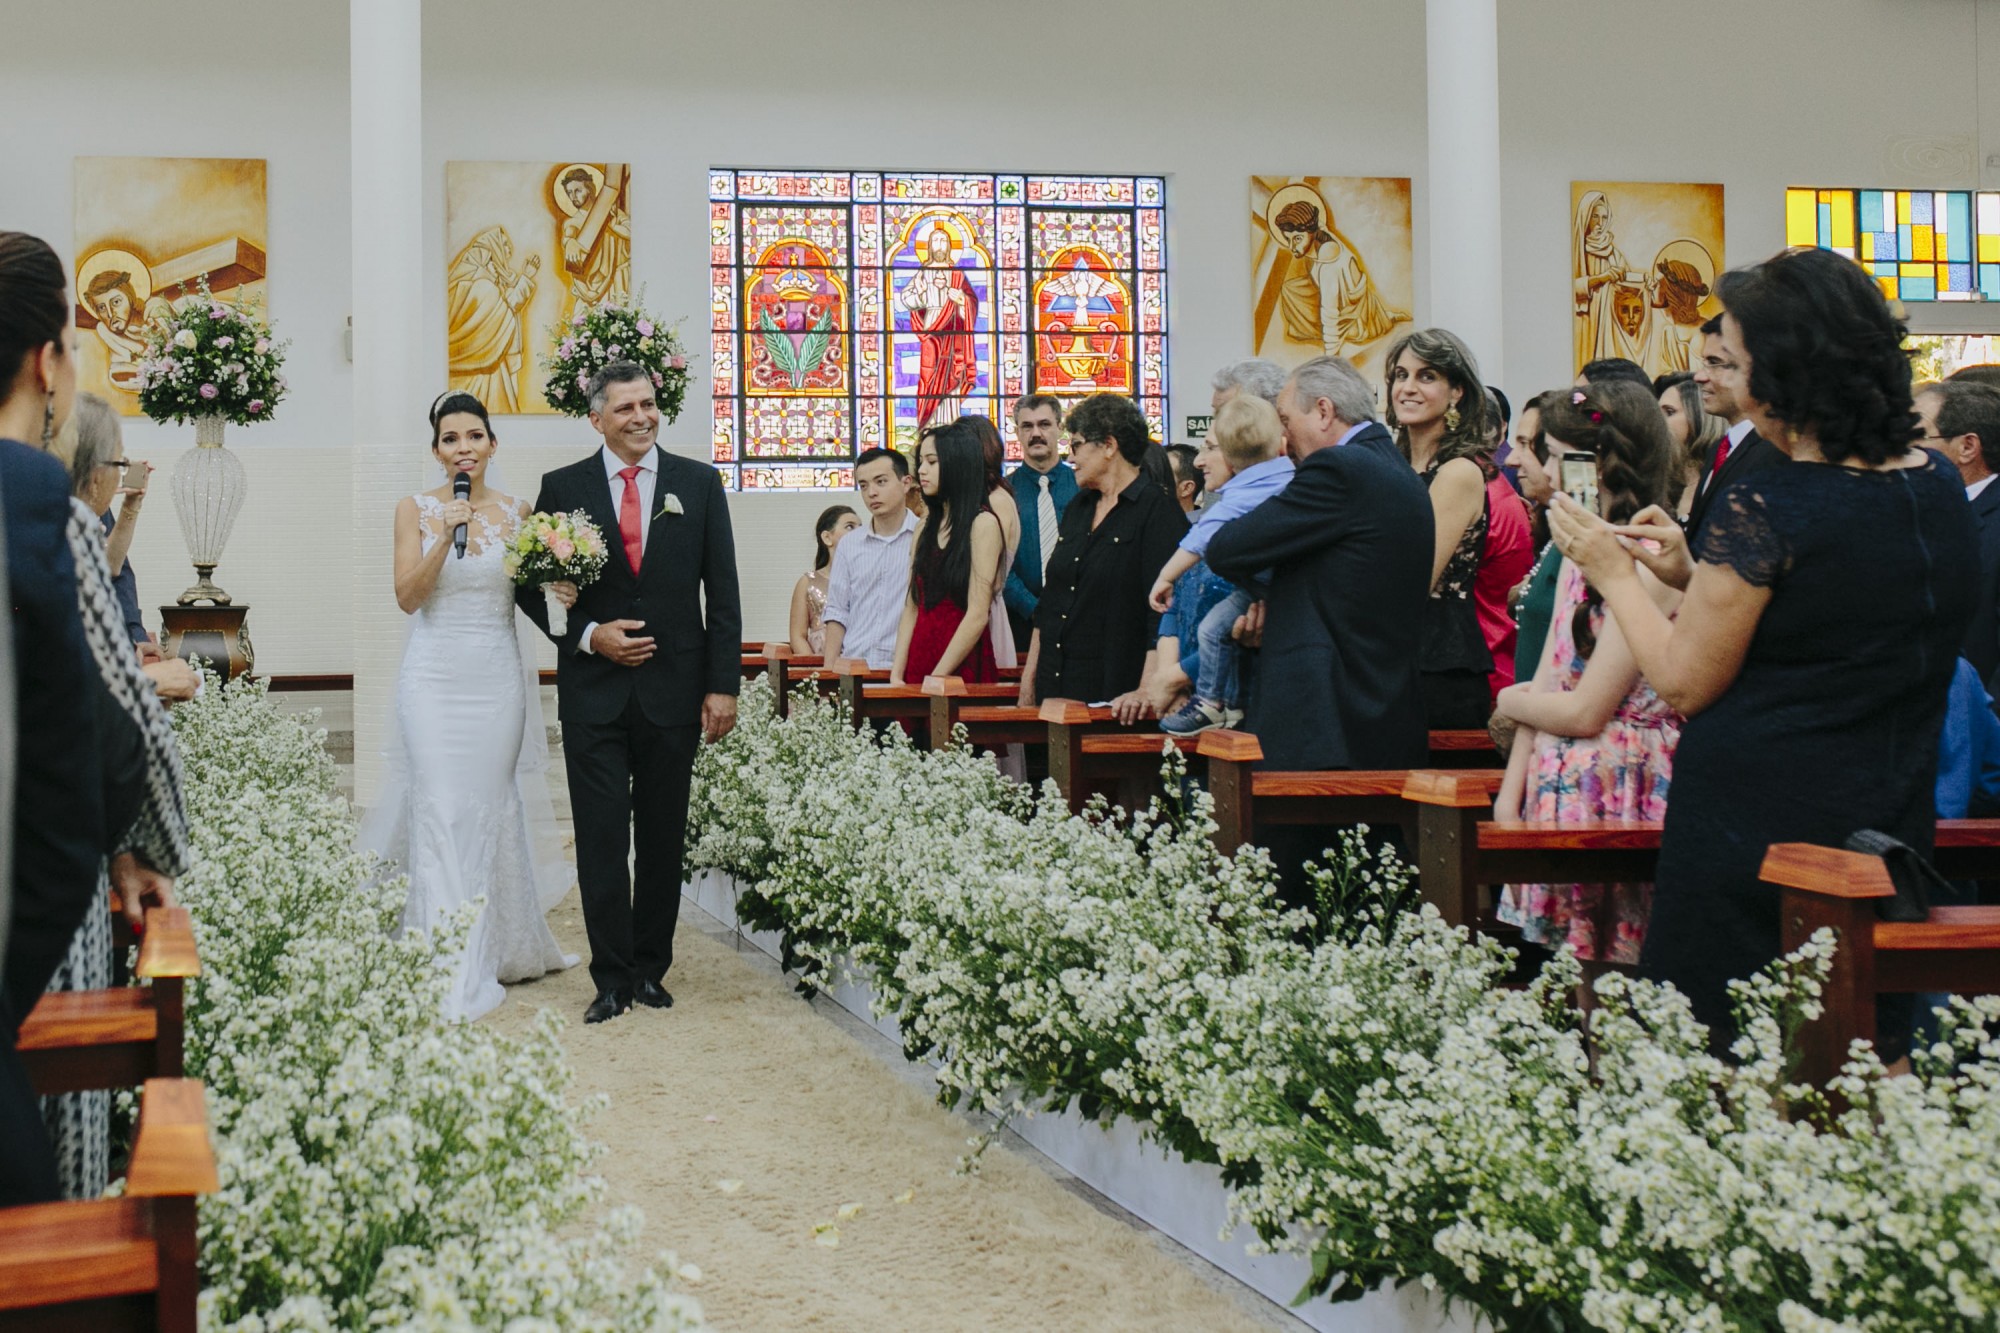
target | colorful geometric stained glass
x=849, y=309
x=1918, y=245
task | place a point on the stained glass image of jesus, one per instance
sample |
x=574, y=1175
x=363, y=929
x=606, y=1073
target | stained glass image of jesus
x=944, y=314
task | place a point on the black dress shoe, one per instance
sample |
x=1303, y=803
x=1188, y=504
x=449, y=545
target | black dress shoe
x=653, y=995
x=608, y=1005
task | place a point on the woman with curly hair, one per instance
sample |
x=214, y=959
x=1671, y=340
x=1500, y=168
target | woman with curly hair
x=1825, y=605
x=1594, y=741
x=1438, y=411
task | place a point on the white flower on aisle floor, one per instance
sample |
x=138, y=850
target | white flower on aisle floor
x=1376, y=1099
x=379, y=1167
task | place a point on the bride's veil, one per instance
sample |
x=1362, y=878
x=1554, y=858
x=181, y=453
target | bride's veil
x=385, y=825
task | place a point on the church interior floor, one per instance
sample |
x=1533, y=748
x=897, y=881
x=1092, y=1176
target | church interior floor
x=746, y=1116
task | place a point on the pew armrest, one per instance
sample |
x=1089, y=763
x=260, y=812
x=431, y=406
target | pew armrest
x=1232, y=746
x=168, y=949
x=171, y=1156
x=1827, y=871
x=1452, y=789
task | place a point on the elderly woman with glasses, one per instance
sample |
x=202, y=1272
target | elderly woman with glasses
x=144, y=816
x=1093, y=626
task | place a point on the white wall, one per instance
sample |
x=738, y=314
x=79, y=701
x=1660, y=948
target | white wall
x=1758, y=96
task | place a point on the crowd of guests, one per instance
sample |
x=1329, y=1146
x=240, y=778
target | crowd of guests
x=90, y=780
x=1758, y=600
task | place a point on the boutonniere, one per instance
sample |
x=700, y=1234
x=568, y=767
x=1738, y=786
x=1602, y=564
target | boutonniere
x=670, y=505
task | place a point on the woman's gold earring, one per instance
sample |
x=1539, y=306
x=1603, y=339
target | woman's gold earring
x=1451, y=417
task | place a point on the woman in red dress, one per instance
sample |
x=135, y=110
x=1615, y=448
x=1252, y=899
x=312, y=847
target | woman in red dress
x=954, y=565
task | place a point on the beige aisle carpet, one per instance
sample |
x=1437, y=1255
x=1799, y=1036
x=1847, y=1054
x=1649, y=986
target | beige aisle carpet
x=743, y=1081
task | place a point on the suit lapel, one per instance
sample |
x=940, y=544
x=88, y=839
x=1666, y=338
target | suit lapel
x=661, y=490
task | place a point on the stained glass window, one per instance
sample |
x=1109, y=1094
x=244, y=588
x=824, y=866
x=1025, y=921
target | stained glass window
x=1919, y=245
x=850, y=308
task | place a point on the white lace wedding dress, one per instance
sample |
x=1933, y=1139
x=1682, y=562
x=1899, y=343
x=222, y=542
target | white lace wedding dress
x=465, y=809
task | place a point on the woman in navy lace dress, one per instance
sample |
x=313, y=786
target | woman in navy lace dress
x=1825, y=604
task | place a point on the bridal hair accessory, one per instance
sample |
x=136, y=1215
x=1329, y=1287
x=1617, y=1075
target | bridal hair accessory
x=1596, y=417
x=670, y=505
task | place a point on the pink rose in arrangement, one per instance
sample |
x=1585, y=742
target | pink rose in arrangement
x=582, y=380
x=263, y=346
x=659, y=380
x=256, y=406
x=577, y=318
x=568, y=347
x=225, y=341
x=217, y=312
x=209, y=391
x=645, y=327
x=679, y=363
x=562, y=548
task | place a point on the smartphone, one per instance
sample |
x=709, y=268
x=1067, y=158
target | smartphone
x=1579, y=481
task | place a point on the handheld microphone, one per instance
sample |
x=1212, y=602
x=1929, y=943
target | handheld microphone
x=461, y=489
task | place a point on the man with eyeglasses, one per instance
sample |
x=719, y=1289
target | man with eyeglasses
x=1961, y=420
x=1725, y=390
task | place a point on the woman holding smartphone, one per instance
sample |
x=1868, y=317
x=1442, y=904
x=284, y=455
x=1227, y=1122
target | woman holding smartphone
x=1594, y=742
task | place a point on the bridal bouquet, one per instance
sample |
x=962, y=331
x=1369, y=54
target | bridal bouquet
x=556, y=548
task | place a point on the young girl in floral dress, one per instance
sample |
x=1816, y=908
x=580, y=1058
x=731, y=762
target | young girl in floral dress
x=1594, y=743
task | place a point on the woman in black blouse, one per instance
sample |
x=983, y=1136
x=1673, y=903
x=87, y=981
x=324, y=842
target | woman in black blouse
x=1825, y=604
x=1093, y=627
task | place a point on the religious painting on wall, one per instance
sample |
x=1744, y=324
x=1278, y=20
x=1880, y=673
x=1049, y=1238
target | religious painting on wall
x=1643, y=260
x=526, y=245
x=852, y=309
x=1330, y=263
x=149, y=232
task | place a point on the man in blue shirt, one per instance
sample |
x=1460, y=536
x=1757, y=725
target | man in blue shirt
x=1043, y=487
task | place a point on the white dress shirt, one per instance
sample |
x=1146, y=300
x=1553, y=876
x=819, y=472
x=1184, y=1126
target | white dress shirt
x=1740, y=432
x=1972, y=491
x=648, y=482
x=866, y=588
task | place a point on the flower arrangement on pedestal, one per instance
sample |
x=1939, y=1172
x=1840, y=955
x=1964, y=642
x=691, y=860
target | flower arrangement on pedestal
x=210, y=362
x=599, y=335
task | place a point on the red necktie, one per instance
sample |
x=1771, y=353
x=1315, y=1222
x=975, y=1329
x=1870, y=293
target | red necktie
x=628, y=517
x=1721, y=456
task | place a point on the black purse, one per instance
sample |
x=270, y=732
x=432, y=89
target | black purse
x=1916, y=880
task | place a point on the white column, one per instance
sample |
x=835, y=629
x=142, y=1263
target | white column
x=1462, y=43
x=385, y=116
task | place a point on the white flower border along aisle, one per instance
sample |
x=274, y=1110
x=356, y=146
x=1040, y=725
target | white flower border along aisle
x=379, y=1166
x=1378, y=1101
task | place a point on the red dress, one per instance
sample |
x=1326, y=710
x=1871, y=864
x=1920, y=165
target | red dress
x=1509, y=554
x=931, y=635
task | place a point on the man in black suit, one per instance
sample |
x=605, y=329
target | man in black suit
x=640, y=679
x=1962, y=421
x=1349, y=546
x=1724, y=383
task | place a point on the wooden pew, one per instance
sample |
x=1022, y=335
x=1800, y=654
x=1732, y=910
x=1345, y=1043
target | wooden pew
x=988, y=712
x=1464, y=749
x=1957, y=950
x=120, y=1263
x=787, y=670
x=870, y=698
x=117, y=1038
x=1246, y=797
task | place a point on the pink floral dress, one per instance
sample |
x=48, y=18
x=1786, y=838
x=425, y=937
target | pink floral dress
x=1621, y=773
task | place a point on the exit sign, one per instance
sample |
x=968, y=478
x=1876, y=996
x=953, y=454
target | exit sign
x=1197, y=427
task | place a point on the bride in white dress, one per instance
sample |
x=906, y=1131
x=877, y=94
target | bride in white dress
x=465, y=811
